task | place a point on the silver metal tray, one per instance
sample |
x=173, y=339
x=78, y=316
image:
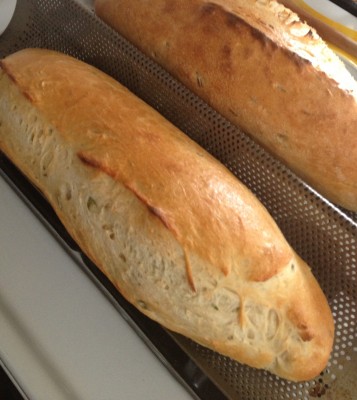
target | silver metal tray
x=323, y=234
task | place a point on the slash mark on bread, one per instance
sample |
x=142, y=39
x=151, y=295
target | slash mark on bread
x=159, y=213
x=156, y=211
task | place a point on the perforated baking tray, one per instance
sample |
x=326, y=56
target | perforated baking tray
x=323, y=234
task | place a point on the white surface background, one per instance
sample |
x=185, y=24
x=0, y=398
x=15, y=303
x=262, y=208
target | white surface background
x=7, y=8
x=332, y=11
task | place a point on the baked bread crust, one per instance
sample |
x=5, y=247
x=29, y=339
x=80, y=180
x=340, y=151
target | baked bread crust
x=177, y=234
x=262, y=68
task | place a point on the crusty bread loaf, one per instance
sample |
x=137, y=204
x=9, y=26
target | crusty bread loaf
x=178, y=235
x=257, y=64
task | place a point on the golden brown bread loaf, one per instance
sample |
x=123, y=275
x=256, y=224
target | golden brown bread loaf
x=257, y=64
x=178, y=235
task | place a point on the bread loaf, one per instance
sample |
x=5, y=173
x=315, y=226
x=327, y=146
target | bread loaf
x=263, y=69
x=179, y=236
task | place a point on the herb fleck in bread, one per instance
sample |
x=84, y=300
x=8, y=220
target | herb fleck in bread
x=262, y=68
x=177, y=234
